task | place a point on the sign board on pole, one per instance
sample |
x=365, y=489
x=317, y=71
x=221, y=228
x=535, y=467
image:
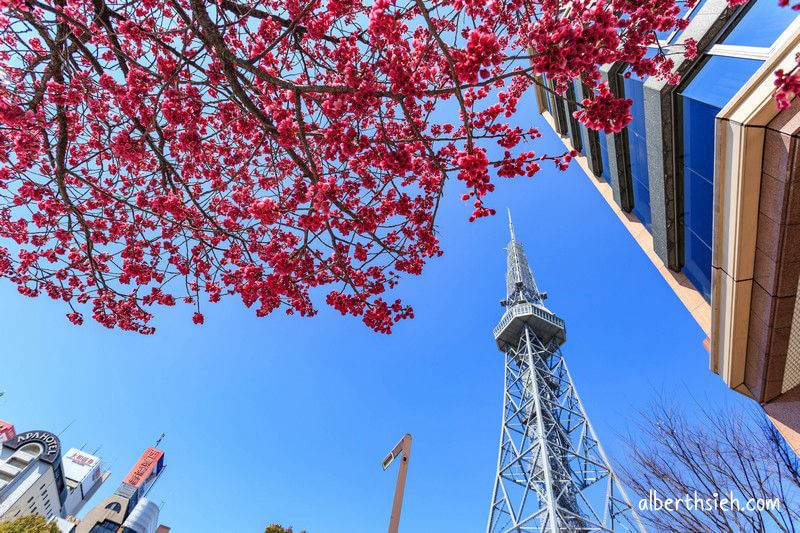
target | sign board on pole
x=83, y=468
x=144, y=473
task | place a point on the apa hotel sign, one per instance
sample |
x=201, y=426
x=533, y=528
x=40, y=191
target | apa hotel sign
x=50, y=444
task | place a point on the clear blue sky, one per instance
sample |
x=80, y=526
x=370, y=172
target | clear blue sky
x=286, y=419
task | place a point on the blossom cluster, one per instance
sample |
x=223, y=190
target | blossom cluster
x=181, y=151
x=787, y=85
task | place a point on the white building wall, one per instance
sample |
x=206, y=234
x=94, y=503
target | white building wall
x=143, y=518
x=33, y=493
x=27, y=486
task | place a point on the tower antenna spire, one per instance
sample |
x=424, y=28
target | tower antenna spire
x=510, y=224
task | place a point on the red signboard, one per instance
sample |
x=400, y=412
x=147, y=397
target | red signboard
x=149, y=465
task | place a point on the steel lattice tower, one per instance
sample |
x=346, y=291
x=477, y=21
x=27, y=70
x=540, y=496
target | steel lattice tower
x=552, y=474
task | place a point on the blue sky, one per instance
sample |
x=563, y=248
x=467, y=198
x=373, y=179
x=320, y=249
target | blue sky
x=286, y=419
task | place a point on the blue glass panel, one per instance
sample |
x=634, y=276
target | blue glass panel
x=547, y=94
x=697, y=265
x=585, y=140
x=637, y=144
x=683, y=9
x=577, y=85
x=698, y=136
x=761, y=25
x=641, y=204
x=720, y=78
x=584, y=134
x=698, y=201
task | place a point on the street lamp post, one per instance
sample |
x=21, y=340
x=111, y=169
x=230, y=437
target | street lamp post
x=402, y=450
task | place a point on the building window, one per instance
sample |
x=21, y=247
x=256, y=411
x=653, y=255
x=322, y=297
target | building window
x=586, y=142
x=560, y=117
x=633, y=87
x=33, y=448
x=715, y=82
x=670, y=36
x=595, y=144
x=17, y=463
x=762, y=23
x=114, y=506
x=580, y=91
x=555, y=105
x=602, y=147
x=104, y=527
x=575, y=127
x=547, y=94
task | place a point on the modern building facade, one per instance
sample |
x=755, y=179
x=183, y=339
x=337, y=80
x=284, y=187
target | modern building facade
x=127, y=510
x=36, y=479
x=84, y=473
x=706, y=178
x=31, y=476
x=117, y=514
x=143, y=518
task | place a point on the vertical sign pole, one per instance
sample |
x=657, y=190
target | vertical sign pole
x=404, y=449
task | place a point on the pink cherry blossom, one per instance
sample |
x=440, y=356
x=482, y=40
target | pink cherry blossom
x=278, y=152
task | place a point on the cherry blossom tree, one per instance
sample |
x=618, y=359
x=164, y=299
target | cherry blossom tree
x=162, y=151
x=787, y=85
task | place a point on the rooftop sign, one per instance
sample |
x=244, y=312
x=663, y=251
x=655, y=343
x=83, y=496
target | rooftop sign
x=149, y=465
x=50, y=444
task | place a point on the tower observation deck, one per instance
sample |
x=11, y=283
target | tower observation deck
x=552, y=474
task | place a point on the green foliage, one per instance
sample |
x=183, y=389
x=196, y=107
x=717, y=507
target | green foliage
x=29, y=524
x=275, y=528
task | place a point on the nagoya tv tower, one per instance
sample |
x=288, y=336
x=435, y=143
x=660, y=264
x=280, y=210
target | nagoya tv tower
x=552, y=474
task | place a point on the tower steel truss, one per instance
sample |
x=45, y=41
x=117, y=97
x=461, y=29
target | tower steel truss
x=552, y=475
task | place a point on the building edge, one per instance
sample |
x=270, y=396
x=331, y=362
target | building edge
x=751, y=322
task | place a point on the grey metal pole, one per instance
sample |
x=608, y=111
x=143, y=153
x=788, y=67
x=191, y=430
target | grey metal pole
x=403, y=449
